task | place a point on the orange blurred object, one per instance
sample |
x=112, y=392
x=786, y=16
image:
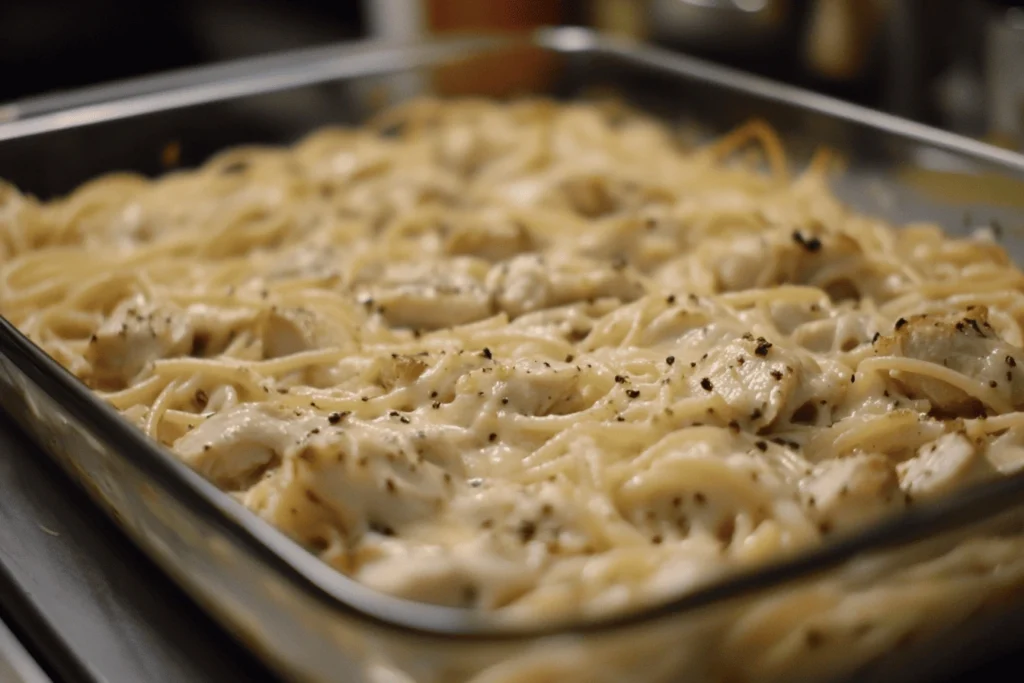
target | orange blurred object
x=510, y=72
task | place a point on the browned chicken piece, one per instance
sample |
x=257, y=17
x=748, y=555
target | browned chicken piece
x=967, y=345
x=761, y=383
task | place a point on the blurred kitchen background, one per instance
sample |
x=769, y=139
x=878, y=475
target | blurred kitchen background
x=958, y=64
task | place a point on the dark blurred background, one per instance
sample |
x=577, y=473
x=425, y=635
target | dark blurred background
x=945, y=62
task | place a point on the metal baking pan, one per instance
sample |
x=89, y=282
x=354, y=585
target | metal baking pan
x=313, y=624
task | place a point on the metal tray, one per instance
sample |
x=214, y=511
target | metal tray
x=313, y=624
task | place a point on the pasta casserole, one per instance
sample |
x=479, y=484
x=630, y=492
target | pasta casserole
x=542, y=360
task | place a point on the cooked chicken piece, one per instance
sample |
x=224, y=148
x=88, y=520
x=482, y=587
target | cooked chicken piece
x=761, y=384
x=378, y=199
x=850, y=492
x=135, y=334
x=234, y=447
x=423, y=296
x=400, y=371
x=287, y=331
x=1006, y=452
x=466, y=574
x=946, y=464
x=432, y=306
x=371, y=478
x=833, y=262
x=490, y=235
x=215, y=327
x=530, y=283
x=466, y=150
x=533, y=388
x=968, y=346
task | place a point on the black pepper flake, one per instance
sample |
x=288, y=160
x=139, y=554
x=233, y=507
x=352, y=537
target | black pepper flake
x=570, y=358
x=734, y=425
x=435, y=405
x=761, y=446
x=740, y=360
x=706, y=384
x=812, y=244
x=875, y=338
x=670, y=360
x=404, y=420
x=486, y=353
x=762, y=347
x=853, y=378
x=670, y=299
x=693, y=364
x=620, y=419
x=974, y=325
x=527, y=530
x=815, y=638
x=900, y=323
x=756, y=414
x=433, y=394
x=633, y=393
x=620, y=379
x=776, y=375
x=492, y=437
x=334, y=418
x=504, y=401
x=992, y=383
x=1011, y=361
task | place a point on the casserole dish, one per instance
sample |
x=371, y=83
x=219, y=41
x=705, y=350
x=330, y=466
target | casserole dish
x=313, y=624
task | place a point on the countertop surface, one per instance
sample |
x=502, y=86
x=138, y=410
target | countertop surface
x=89, y=607
x=83, y=600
